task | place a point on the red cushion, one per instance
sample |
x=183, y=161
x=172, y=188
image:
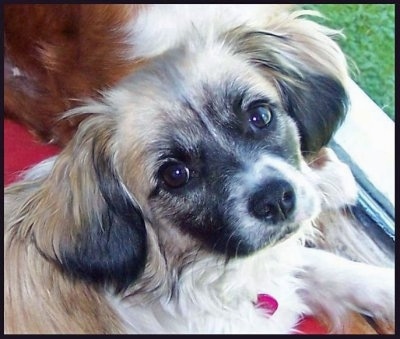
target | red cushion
x=22, y=151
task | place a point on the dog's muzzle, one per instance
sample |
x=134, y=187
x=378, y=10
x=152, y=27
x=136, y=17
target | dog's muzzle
x=273, y=202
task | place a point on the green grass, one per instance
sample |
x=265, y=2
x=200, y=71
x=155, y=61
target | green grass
x=369, y=46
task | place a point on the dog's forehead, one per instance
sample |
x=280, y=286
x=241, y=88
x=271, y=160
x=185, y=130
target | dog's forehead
x=185, y=100
x=184, y=88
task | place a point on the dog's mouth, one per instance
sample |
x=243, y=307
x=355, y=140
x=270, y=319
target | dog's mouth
x=249, y=222
x=267, y=217
x=247, y=242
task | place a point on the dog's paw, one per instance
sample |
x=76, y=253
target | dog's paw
x=333, y=179
x=375, y=296
x=336, y=285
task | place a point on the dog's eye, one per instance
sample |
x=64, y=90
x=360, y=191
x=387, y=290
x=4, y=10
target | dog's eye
x=175, y=174
x=260, y=116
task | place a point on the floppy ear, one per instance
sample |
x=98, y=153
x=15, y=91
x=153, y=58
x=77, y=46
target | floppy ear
x=309, y=70
x=318, y=105
x=100, y=235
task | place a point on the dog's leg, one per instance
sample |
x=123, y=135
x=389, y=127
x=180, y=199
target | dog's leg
x=336, y=285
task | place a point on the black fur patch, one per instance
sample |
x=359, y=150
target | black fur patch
x=318, y=107
x=112, y=246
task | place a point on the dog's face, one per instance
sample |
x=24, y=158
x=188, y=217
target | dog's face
x=219, y=154
x=217, y=151
x=203, y=147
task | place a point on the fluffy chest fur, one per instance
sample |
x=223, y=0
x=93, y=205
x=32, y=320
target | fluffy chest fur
x=214, y=296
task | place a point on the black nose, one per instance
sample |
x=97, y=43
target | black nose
x=273, y=202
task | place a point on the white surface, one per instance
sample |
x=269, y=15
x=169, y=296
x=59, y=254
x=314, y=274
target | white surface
x=367, y=135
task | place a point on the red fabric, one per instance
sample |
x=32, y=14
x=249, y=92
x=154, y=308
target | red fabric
x=21, y=151
x=306, y=325
x=310, y=325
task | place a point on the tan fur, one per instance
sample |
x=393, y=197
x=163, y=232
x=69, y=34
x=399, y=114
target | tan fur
x=39, y=297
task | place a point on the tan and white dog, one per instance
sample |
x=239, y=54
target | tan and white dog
x=189, y=187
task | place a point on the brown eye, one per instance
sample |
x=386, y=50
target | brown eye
x=175, y=174
x=260, y=116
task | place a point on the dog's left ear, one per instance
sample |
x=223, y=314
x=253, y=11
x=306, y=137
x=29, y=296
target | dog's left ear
x=309, y=70
x=96, y=231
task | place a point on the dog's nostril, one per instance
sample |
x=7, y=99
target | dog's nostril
x=268, y=212
x=274, y=202
x=288, y=199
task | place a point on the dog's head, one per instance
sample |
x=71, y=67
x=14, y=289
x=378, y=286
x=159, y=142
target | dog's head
x=205, y=143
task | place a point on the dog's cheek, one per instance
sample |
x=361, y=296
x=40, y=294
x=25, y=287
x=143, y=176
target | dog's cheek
x=212, y=225
x=195, y=213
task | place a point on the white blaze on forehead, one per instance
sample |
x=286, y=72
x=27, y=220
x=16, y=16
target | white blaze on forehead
x=269, y=164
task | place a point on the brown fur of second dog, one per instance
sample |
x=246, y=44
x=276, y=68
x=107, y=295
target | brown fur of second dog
x=55, y=54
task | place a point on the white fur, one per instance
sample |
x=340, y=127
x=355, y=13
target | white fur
x=40, y=170
x=365, y=288
x=340, y=191
x=171, y=24
x=213, y=297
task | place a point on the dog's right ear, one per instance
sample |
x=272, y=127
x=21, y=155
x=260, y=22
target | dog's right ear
x=308, y=69
x=99, y=234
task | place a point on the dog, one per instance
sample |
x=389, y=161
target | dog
x=193, y=185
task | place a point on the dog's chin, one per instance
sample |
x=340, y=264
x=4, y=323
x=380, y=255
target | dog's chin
x=242, y=246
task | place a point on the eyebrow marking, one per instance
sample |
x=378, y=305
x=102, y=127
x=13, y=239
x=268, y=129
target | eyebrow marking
x=216, y=134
